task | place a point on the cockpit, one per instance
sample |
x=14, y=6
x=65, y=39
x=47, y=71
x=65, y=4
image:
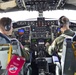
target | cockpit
x=34, y=33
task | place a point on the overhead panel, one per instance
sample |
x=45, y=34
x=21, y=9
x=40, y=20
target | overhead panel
x=36, y=5
x=41, y=4
x=73, y=2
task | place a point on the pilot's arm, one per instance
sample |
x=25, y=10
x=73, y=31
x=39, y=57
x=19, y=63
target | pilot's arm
x=52, y=47
x=25, y=52
x=56, y=45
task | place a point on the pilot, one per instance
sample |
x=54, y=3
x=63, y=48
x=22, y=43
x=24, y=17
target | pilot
x=6, y=28
x=63, y=23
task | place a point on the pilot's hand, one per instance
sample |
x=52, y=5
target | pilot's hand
x=47, y=44
x=49, y=50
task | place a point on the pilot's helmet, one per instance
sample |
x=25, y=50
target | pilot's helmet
x=63, y=21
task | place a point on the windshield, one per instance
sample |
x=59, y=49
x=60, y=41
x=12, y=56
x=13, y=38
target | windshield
x=55, y=14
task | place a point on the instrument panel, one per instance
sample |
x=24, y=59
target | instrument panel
x=35, y=23
x=25, y=31
x=23, y=34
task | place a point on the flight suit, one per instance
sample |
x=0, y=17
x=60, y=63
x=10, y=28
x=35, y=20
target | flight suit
x=58, y=42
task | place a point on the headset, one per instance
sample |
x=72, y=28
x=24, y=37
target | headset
x=7, y=27
x=63, y=20
x=60, y=21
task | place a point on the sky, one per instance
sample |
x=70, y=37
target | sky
x=23, y=15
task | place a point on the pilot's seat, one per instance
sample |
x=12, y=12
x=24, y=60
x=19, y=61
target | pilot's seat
x=68, y=59
x=6, y=45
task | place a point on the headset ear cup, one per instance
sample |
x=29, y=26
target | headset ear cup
x=7, y=27
x=60, y=22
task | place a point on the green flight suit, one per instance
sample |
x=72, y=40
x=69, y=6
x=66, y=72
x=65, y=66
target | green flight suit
x=58, y=42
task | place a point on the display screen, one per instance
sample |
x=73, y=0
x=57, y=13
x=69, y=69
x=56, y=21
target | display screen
x=34, y=40
x=41, y=41
x=21, y=31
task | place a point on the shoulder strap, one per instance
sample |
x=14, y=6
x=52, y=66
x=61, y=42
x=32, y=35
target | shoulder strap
x=66, y=36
